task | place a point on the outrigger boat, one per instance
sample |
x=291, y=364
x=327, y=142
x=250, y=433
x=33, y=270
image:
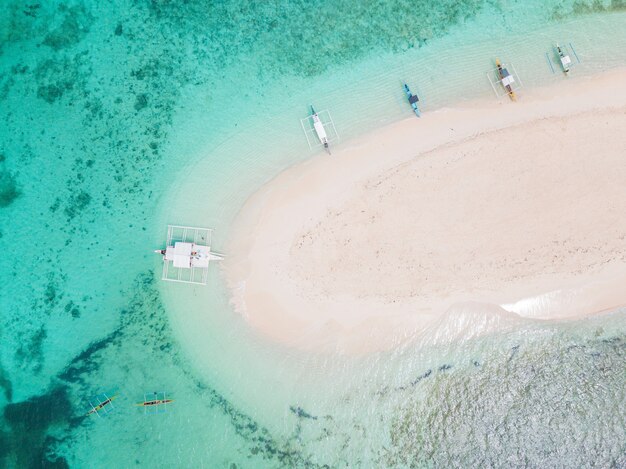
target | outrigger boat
x=564, y=58
x=187, y=254
x=319, y=129
x=506, y=79
x=413, y=99
x=101, y=405
x=155, y=402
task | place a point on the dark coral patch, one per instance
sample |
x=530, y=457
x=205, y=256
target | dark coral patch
x=27, y=444
x=8, y=188
x=77, y=203
x=301, y=413
x=61, y=76
x=73, y=309
x=31, y=10
x=50, y=293
x=55, y=205
x=86, y=361
x=30, y=351
x=6, y=385
x=141, y=101
x=50, y=93
x=75, y=25
x=39, y=412
x=55, y=78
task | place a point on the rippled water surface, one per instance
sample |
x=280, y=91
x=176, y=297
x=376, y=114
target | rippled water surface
x=121, y=117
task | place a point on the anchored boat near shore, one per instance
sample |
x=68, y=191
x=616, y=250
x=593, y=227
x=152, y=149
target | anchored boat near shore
x=319, y=129
x=564, y=58
x=506, y=79
x=187, y=254
x=413, y=100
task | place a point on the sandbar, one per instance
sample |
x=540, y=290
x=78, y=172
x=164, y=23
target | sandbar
x=462, y=222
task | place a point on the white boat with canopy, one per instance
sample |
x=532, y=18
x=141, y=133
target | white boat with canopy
x=187, y=254
x=562, y=55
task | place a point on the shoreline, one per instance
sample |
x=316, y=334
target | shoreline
x=309, y=267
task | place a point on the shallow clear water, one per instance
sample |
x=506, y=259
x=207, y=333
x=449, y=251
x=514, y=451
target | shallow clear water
x=119, y=118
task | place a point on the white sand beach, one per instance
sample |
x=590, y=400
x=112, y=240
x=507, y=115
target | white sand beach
x=462, y=221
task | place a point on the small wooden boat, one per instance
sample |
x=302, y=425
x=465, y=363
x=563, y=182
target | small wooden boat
x=413, y=99
x=564, y=58
x=154, y=402
x=101, y=405
x=319, y=129
x=506, y=79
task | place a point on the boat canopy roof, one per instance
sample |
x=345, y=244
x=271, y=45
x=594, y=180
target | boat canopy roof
x=413, y=99
x=508, y=80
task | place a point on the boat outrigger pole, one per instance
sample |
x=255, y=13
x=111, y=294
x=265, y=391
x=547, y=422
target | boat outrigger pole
x=319, y=129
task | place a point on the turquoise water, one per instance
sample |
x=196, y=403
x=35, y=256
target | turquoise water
x=119, y=118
